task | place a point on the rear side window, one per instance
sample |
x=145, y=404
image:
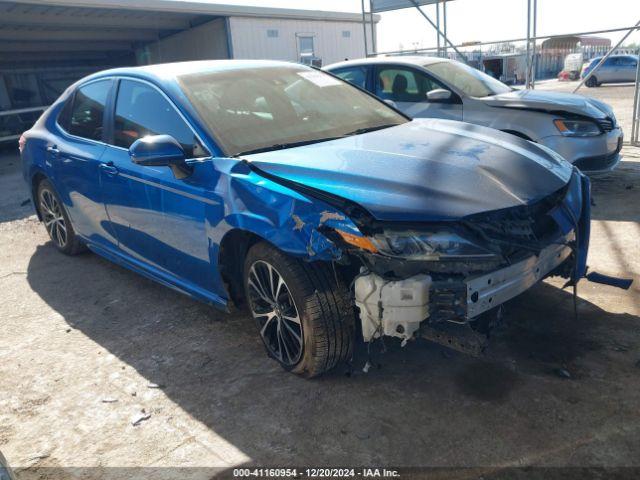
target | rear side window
x=85, y=115
x=64, y=118
x=355, y=75
x=142, y=110
x=628, y=62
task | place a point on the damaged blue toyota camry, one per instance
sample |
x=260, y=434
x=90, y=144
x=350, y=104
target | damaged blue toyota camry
x=329, y=215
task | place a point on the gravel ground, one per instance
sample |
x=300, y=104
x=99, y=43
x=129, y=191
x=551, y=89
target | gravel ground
x=88, y=349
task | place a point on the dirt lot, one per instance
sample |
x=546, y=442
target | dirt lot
x=87, y=348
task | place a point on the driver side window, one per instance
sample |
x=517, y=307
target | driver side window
x=404, y=84
x=141, y=110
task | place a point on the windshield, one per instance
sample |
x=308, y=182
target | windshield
x=472, y=82
x=266, y=108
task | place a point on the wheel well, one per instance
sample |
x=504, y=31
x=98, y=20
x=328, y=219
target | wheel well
x=35, y=182
x=518, y=134
x=232, y=253
x=233, y=250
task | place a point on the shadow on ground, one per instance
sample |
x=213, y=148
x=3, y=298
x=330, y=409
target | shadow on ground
x=423, y=406
x=620, y=188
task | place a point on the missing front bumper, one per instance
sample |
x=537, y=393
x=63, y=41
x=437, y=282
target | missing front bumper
x=489, y=290
x=397, y=308
x=458, y=296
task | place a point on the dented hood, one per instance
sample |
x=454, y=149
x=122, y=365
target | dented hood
x=550, y=101
x=424, y=170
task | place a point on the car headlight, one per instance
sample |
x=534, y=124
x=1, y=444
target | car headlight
x=433, y=245
x=577, y=128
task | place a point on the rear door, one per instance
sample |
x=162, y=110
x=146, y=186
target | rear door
x=408, y=87
x=159, y=219
x=76, y=159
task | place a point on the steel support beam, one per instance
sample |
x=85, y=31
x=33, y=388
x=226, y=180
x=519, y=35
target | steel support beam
x=373, y=31
x=29, y=58
x=438, y=26
x=527, y=72
x=532, y=29
x=70, y=35
x=534, y=58
x=52, y=20
x=426, y=17
x=635, y=123
x=364, y=31
x=444, y=25
x=47, y=47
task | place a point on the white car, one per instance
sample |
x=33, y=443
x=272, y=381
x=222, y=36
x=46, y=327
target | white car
x=583, y=130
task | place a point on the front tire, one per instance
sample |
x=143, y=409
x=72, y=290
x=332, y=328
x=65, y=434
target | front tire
x=592, y=82
x=303, y=311
x=56, y=220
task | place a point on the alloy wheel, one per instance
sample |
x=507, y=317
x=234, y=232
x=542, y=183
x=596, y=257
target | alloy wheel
x=53, y=218
x=275, y=311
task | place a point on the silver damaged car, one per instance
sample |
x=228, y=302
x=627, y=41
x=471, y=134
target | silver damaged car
x=583, y=130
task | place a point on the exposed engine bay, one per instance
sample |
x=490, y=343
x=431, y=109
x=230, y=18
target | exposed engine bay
x=424, y=276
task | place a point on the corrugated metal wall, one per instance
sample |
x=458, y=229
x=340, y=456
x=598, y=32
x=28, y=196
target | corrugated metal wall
x=277, y=39
x=204, y=42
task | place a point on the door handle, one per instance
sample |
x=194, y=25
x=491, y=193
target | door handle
x=109, y=168
x=53, y=149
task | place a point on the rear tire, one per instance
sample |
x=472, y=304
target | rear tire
x=56, y=220
x=592, y=82
x=304, y=313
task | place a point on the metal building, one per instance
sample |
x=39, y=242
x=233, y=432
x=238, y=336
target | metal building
x=47, y=44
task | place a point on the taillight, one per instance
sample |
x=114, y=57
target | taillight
x=22, y=142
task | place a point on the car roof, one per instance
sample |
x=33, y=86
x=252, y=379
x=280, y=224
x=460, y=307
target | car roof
x=619, y=55
x=412, y=60
x=167, y=72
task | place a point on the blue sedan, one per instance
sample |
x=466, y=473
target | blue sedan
x=279, y=188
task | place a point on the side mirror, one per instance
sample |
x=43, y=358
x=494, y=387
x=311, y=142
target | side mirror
x=438, y=95
x=390, y=102
x=160, y=151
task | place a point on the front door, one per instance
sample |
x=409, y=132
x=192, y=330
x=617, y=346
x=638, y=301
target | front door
x=407, y=88
x=628, y=67
x=159, y=220
x=607, y=72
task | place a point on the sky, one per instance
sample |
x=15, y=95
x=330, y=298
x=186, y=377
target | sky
x=482, y=20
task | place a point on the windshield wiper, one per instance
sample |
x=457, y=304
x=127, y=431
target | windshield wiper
x=282, y=146
x=360, y=131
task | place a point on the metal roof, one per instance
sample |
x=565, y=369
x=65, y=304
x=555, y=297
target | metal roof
x=388, y=5
x=106, y=32
x=187, y=8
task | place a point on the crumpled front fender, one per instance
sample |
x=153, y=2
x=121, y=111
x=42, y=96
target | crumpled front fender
x=288, y=219
x=574, y=213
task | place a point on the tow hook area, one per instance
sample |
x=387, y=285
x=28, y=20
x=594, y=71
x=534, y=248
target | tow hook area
x=461, y=338
x=392, y=307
